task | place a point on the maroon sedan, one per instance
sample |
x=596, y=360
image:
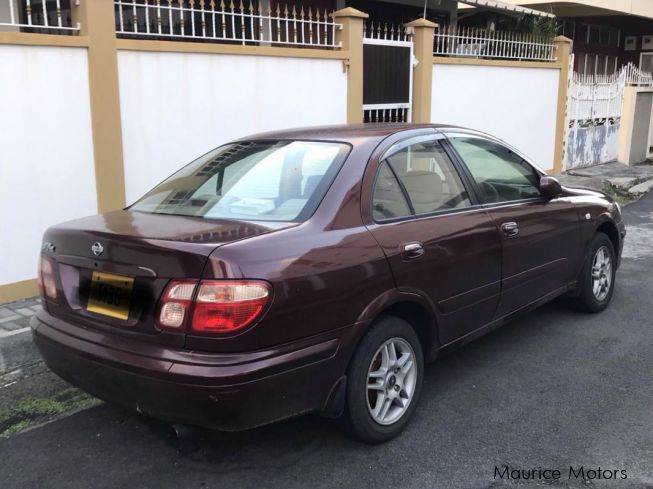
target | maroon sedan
x=315, y=270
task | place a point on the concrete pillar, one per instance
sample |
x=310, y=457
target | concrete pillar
x=351, y=39
x=97, y=22
x=635, y=125
x=423, y=31
x=563, y=53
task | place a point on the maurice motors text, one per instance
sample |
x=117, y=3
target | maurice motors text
x=539, y=473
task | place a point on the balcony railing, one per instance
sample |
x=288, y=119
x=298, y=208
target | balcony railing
x=481, y=43
x=41, y=16
x=232, y=23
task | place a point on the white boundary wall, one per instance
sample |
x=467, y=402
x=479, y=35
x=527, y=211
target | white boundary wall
x=177, y=106
x=46, y=158
x=517, y=105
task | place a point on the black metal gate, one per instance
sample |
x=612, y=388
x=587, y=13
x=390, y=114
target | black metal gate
x=387, y=75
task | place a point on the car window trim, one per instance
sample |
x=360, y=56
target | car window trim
x=470, y=177
x=404, y=143
x=491, y=205
x=430, y=215
x=409, y=141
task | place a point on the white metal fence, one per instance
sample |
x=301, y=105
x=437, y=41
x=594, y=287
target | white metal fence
x=241, y=23
x=36, y=15
x=481, y=43
x=385, y=32
x=635, y=77
x=387, y=113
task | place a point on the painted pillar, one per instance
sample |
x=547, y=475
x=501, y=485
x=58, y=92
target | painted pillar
x=423, y=31
x=563, y=53
x=351, y=39
x=97, y=22
x=635, y=125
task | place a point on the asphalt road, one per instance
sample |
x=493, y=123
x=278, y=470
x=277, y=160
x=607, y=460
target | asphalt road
x=552, y=390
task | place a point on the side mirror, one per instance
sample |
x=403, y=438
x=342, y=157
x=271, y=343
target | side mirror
x=550, y=187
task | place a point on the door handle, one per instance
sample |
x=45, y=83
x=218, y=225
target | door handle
x=510, y=229
x=411, y=251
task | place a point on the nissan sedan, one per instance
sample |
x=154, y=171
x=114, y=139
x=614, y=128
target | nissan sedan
x=315, y=270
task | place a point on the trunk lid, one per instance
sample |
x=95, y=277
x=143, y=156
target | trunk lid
x=147, y=249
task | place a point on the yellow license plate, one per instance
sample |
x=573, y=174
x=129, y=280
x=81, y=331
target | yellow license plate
x=110, y=294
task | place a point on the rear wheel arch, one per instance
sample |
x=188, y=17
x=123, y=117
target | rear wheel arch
x=412, y=308
x=420, y=320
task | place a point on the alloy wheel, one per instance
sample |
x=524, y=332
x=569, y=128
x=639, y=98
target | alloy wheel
x=391, y=381
x=601, y=273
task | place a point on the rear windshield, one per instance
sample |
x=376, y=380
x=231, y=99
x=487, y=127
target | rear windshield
x=260, y=181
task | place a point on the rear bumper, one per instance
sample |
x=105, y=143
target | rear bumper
x=221, y=391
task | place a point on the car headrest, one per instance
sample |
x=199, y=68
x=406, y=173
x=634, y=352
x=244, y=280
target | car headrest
x=311, y=184
x=424, y=187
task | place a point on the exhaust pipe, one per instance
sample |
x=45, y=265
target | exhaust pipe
x=185, y=438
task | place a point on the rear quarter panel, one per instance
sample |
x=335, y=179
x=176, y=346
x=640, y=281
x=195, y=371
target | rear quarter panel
x=324, y=272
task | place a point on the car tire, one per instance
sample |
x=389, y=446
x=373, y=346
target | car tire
x=598, y=276
x=383, y=388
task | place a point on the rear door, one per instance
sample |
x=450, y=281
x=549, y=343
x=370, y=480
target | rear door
x=540, y=237
x=439, y=241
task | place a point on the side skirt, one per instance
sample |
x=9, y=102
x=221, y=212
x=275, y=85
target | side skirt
x=497, y=323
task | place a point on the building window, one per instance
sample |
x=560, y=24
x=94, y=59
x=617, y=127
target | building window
x=597, y=34
x=568, y=28
x=596, y=64
x=581, y=32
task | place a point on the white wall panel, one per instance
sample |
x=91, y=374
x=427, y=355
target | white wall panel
x=517, y=105
x=177, y=106
x=46, y=150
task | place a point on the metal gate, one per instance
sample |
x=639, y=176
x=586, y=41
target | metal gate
x=387, y=73
x=594, y=118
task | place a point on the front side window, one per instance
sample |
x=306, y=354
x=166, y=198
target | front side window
x=258, y=180
x=501, y=174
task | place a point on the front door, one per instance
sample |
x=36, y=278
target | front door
x=439, y=242
x=540, y=237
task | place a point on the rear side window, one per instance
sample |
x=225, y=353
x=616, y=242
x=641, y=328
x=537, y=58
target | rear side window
x=418, y=179
x=501, y=174
x=259, y=181
x=388, y=200
x=429, y=178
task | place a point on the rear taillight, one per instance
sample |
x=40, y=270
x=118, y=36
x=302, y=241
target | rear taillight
x=175, y=304
x=226, y=305
x=219, y=306
x=46, y=281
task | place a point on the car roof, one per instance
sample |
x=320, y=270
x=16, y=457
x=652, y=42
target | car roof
x=344, y=132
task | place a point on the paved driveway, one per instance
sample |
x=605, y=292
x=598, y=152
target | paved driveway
x=554, y=389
